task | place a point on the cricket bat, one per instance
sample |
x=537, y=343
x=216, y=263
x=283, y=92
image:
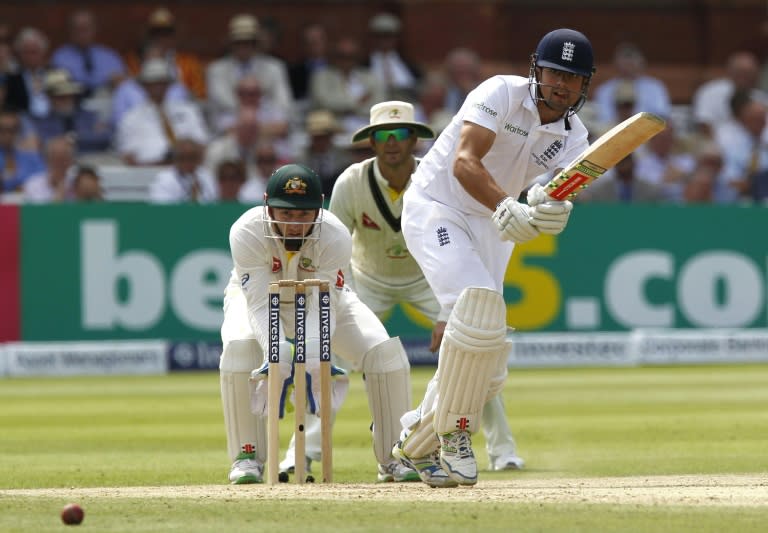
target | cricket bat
x=613, y=146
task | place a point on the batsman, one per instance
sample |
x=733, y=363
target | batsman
x=292, y=237
x=461, y=220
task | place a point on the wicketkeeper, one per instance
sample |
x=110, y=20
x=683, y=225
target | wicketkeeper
x=292, y=237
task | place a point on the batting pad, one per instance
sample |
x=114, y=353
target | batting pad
x=500, y=374
x=474, y=339
x=245, y=431
x=388, y=386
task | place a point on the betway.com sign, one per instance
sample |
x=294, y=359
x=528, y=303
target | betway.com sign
x=118, y=271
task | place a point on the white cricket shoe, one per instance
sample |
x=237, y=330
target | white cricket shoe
x=246, y=469
x=457, y=458
x=428, y=468
x=396, y=471
x=288, y=465
x=508, y=461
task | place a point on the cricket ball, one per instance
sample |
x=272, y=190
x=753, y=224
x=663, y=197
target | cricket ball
x=72, y=514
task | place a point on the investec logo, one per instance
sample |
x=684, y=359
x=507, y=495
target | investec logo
x=325, y=326
x=274, y=328
x=300, y=328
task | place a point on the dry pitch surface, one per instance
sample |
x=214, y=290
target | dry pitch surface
x=725, y=490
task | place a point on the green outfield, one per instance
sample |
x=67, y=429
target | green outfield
x=637, y=449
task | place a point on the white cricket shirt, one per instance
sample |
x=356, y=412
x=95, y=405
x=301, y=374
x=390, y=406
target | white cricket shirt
x=522, y=150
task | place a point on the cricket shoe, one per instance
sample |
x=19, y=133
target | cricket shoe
x=395, y=471
x=508, y=461
x=457, y=458
x=288, y=465
x=428, y=468
x=246, y=469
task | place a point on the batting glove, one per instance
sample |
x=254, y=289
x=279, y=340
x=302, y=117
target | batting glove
x=513, y=220
x=548, y=215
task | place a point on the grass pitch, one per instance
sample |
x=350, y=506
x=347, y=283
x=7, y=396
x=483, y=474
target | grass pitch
x=638, y=449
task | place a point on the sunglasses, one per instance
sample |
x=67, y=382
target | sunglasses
x=400, y=134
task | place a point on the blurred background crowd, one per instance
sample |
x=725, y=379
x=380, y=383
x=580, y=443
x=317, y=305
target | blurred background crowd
x=83, y=121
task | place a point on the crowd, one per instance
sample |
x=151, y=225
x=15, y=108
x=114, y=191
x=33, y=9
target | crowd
x=217, y=129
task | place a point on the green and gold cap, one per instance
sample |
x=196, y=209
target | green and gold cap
x=294, y=186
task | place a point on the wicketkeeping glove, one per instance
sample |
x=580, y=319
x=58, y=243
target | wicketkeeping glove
x=260, y=389
x=513, y=220
x=548, y=215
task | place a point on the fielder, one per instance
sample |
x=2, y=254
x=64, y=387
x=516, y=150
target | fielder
x=292, y=237
x=461, y=220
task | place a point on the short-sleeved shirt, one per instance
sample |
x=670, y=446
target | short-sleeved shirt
x=523, y=148
x=379, y=253
x=260, y=260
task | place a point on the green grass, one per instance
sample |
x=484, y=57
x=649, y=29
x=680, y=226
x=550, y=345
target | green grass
x=168, y=430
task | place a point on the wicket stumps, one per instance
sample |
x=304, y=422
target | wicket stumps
x=275, y=382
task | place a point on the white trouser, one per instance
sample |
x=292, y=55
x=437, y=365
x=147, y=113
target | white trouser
x=357, y=331
x=456, y=251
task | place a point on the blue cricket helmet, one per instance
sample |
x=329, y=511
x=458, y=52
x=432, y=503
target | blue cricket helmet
x=567, y=50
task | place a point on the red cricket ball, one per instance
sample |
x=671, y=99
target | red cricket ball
x=72, y=514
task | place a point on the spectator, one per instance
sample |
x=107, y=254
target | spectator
x=742, y=142
x=237, y=144
x=187, y=180
x=16, y=165
x=314, y=57
x=321, y=153
x=711, y=101
x=267, y=161
x=27, y=138
x=86, y=186
x=624, y=99
x=8, y=63
x=346, y=88
x=699, y=185
x=161, y=37
x=399, y=78
x=246, y=57
x=230, y=178
x=67, y=117
x=650, y=93
x=463, y=73
x=663, y=161
x=54, y=184
x=274, y=122
x=147, y=133
x=94, y=66
x=131, y=93
x=622, y=184
x=25, y=86
x=264, y=162
x=431, y=108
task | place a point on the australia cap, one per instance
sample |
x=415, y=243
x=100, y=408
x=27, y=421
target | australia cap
x=294, y=186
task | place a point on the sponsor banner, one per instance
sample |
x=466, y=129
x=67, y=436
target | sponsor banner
x=655, y=347
x=204, y=355
x=85, y=358
x=9, y=274
x=3, y=361
x=641, y=347
x=418, y=352
x=183, y=355
x=136, y=271
x=570, y=349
